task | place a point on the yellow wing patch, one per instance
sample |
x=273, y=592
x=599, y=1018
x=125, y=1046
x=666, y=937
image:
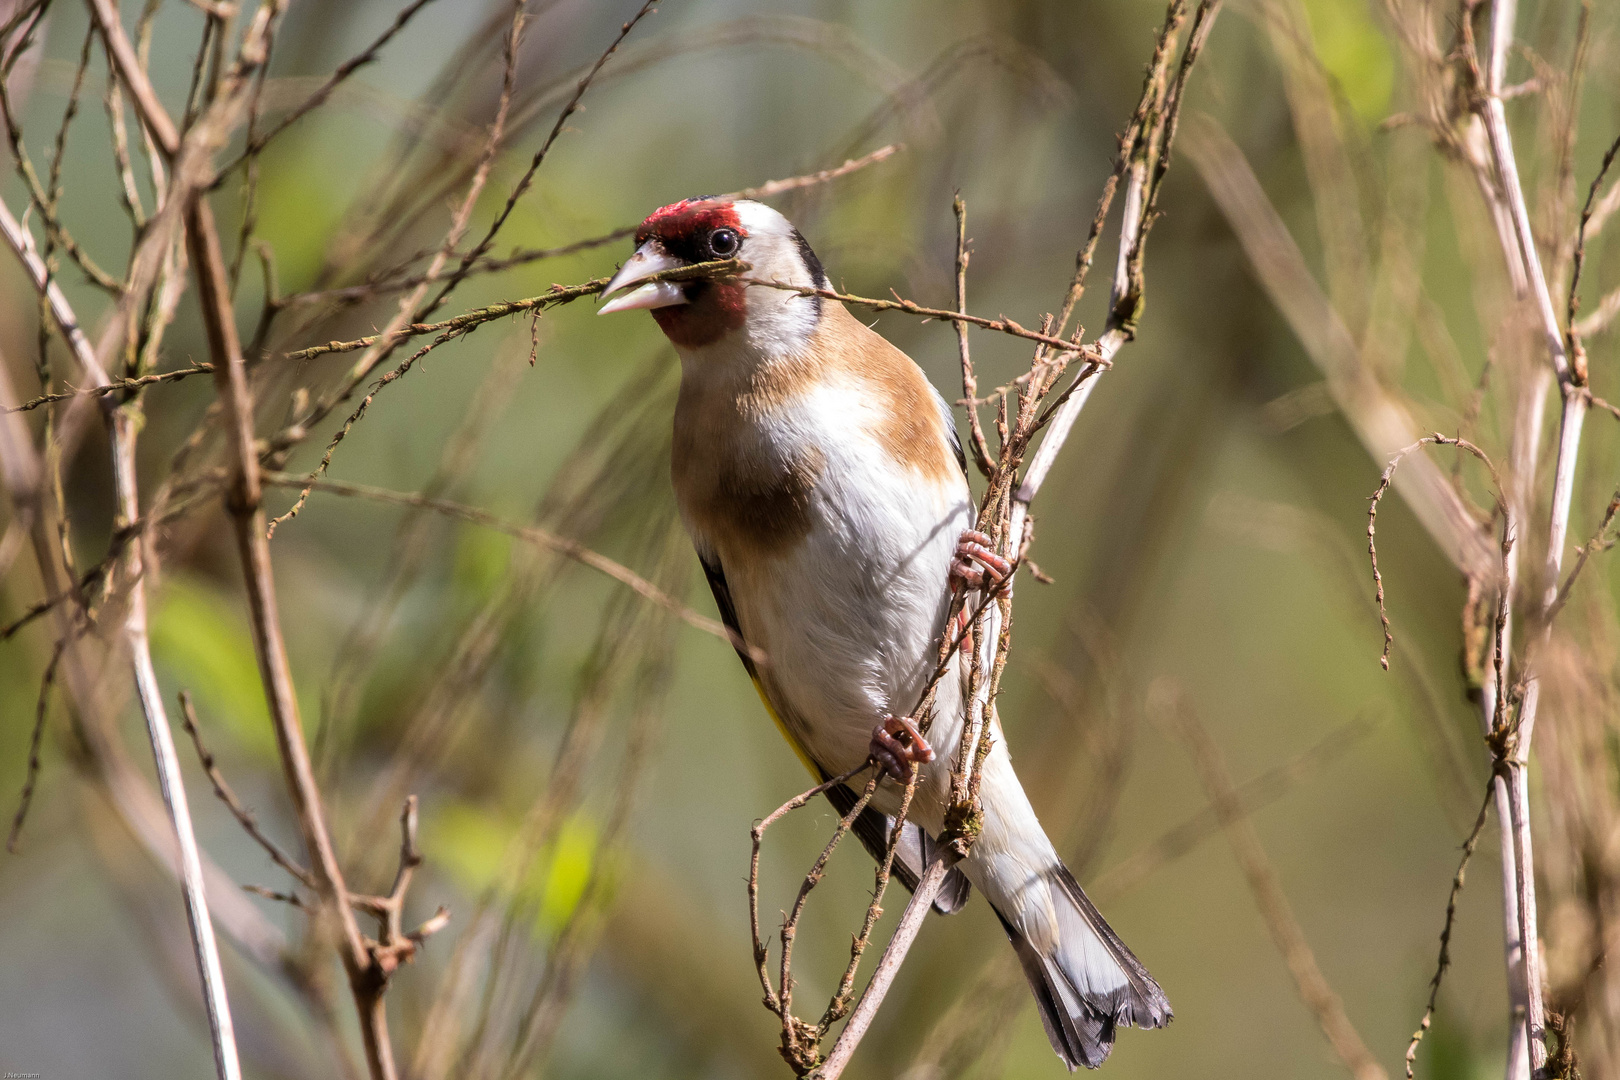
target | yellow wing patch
x=787, y=733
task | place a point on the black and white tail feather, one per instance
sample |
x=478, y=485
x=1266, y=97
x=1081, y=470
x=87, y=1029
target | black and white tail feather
x=1087, y=983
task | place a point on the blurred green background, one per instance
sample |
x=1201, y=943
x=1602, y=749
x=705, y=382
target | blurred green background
x=1205, y=524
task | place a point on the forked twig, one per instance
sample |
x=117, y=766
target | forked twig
x=222, y=790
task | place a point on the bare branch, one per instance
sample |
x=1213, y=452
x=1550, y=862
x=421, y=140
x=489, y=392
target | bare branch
x=315, y=100
x=1313, y=987
x=243, y=502
x=1384, y=483
x=1002, y=325
x=1445, y=932
x=111, y=387
x=970, y=385
x=123, y=428
x=532, y=534
x=244, y=816
x=31, y=777
x=523, y=257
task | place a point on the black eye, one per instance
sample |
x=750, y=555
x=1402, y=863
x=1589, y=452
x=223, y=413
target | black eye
x=724, y=242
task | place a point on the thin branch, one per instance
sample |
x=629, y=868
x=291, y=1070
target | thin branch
x=123, y=427
x=243, y=502
x=1313, y=987
x=800, y=1051
x=1600, y=542
x=559, y=294
x=223, y=792
x=1578, y=263
x=1445, y=932
x=111, y=387
x=796, y=183
x=1002, y=325
x=129, y=193
x=894, y=954
x=532, y=534
x=256, y=144
x=42, y=704
x=522, y=257
x=1384, y=482
x=838, y=1006
x=970, y=385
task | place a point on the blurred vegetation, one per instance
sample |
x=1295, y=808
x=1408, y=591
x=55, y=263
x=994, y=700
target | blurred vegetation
x=588, y=766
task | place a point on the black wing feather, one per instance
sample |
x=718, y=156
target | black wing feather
x=915, y=852
x=950, y=427
x=728, y=608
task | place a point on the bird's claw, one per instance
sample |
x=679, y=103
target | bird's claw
x=897, y=745
x=974, y=562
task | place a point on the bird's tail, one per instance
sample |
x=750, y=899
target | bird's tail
x=1086, y=982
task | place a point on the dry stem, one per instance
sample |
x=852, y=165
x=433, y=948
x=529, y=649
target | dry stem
x=1285, y=930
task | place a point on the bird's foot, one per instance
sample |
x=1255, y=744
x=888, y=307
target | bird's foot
x=897, y=745
x=974, y=564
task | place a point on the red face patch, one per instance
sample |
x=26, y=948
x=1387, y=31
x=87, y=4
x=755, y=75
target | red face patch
x=713, y=309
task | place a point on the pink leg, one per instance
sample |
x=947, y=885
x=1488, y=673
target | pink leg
x=972, y=566
x=974, y=563
x=964, y=627
x=897, y=745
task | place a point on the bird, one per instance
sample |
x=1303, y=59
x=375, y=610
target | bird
x=822, y=481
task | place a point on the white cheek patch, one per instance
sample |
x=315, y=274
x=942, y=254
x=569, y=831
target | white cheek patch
x=780, y=323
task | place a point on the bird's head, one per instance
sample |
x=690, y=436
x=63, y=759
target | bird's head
x=694, y=314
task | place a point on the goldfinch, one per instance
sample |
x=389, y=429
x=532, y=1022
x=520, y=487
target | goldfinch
x=822, y=481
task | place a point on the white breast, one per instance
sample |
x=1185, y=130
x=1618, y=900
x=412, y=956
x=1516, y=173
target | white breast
x=848, y=618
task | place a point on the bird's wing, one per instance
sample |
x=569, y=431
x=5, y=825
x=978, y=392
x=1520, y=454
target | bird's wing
x=728, y=615
x=950, y=428
x=915, y=852
x=916, y=846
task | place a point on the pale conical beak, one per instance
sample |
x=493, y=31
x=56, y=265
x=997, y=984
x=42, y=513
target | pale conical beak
x=650, y=258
